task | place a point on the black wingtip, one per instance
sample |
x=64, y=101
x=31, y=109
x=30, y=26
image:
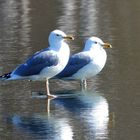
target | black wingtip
x=5, y=76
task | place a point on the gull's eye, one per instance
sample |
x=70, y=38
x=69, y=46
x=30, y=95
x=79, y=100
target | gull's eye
x=57, y=35
x=95, y=42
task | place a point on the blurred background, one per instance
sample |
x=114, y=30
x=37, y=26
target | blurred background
x=109, y=109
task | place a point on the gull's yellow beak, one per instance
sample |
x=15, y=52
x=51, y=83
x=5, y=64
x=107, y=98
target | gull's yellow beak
x=107, y=45
x=69, y=37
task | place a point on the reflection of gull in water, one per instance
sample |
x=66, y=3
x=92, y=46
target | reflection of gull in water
x=67, y=20
x=88, y=17
x=15, y=28
x=83, y=10
x=25, y=23
x=90, y=113
x=86, y=114
x=15, y=22
x=41, y=126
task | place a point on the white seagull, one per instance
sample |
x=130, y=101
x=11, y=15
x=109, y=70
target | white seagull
x=46, y=63
x=86, y=64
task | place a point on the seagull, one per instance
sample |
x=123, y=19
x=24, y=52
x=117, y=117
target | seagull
x=87, y=63
x=44, y=64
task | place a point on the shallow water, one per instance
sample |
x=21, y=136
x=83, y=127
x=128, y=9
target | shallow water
x=109, y=109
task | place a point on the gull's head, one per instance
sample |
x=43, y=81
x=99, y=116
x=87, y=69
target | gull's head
x=93, y=42
x=57, y=36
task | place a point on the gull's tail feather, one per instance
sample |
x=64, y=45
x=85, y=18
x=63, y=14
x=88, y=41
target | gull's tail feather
x=5, y=76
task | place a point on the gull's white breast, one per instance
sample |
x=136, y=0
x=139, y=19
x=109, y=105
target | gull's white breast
x=63, y=56
x=98, y=60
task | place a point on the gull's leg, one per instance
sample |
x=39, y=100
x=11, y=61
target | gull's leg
x=47, y=87
x=84, y=84
x=49, y=96
x=48, y=105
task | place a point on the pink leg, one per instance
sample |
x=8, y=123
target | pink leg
x=49, y=96
x=83, y=85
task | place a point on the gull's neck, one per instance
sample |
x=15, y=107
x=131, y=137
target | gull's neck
x=96, y=52
x=56, y=46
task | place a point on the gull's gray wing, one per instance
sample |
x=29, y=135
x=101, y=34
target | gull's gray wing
x=76, y=62
x=35, y=64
